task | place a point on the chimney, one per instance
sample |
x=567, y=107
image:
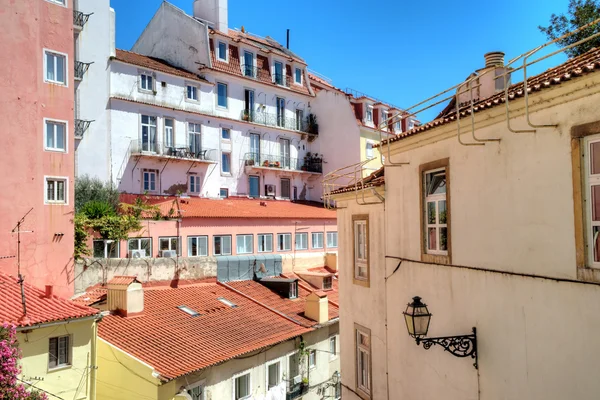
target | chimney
x=494, y=59
x=317, y=307
x=49, y=290
x=287, y=43
x=490, y=79
x=125, y=296
x=213, y=11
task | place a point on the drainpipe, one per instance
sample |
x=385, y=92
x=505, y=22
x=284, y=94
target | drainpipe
x=94, y=359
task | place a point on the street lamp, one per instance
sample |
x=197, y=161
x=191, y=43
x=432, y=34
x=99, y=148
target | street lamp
x=417, y=318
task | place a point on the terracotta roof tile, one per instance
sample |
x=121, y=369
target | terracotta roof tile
x=175, y=343
x=92, y=295
x=40, y=309
x=333, y=295
x=122, y=280
x=376, y=178
x=573, y=68
x=155, y=64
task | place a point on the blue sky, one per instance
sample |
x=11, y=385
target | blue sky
x=398, y=50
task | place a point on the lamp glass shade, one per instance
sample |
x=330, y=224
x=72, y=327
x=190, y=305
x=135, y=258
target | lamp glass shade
x=417, y=318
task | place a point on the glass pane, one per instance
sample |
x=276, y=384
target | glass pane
x=60, y=190
x=133, y=244
x=60, y=68
x=164, y=244
x=98, y=249
x=203, y=246
x=50, y=67
x=50, y=190
x=436, y=182
x=113, y=250
x=431, y=212
x=596, y=203
x=60, y=136
x=595, y=158
x=443, y=238
x=227, y=245
x=442, y=211
x=596, y=241
x=49, y=135
x=217, y=240
x=432, y=238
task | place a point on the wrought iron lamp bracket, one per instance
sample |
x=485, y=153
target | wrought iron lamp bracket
x=459, y=346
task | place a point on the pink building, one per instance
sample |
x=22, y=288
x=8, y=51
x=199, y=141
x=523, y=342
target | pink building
x=37, y=166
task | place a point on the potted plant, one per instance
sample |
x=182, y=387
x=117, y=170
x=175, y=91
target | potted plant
x=277, y=164
x=250, y=162
x=245, y=115
x=266, y=163
x=313, y=126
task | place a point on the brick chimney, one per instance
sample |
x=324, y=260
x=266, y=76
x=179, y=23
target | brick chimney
x=317, y=307
x=125, y=296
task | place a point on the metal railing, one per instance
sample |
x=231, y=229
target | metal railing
x=307, y=124
x=80, y=19
x=182, y=151
x=254, y=72
x=81, y=68
x=287, y=163
x=281, y=79
x=81, y=126
x=297, y=390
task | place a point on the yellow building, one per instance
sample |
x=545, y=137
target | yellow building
x=57, y=339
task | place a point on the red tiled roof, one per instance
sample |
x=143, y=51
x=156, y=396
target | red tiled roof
x=175, y=343
x=40, y=309
x=155, y=64
x=195, y=207
x=376, y=178
x=333, y=295
x=92, y=295
x=572, y=69
x=122, y=280
x=267, y=44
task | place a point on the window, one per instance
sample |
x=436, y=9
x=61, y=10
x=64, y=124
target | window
x=169, y=133
x=332, y=347
x=55, y=65
x=285, y=188
x=327, y=283
x=254, y=182
x=222, y=51
x=299, y=119
x=225, y=134
x=591, y=155
x=195, y=139
x=244, y=244
x=298, y=75
x=148, y=123
x=317, y=240
x=196, y=391
x=363, y=360
x=223, y=193
x=301, y=241
x=61, y=2
x=226, y=163
x=312, y=359
x=192, y=93
x=56, y=135
x=56, y=190
x=293, y=366
x=398, y=126
x=59, y=352
x=149, y=176
x=227, y=302
x=436, y=223
x=197, y=246
x=369, y=150
x=332, y=239
x=106, y=249
x=222, y=245
x=242, y=387
x=294, y=290
x=383, y=122
x=248, y=64
x=221, y=95
x=279, y=73
x=194, y=186
x=280, y=103
x=273, y=374
x=146, y=82
x=189, y=311
x=284, y=241
x=369, y=114
x=168, y=244
x=265, y=243
x=143, y=245
x=361, y=247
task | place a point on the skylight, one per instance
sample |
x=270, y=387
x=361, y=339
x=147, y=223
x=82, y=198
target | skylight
x=227, y=302
x=189, y=311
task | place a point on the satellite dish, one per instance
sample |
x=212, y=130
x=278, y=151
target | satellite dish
x=262, y=268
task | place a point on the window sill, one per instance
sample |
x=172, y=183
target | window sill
x=436, y=258
x=55, y=150
x=55, y=203
x=362, y=394
x=361, y=282
x=59, y=368
x=222, y=108
x=56, y=83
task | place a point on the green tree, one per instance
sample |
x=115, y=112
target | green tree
x=88, y=189
x=579, y=14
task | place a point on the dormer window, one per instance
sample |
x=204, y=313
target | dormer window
x=369, y=116
x=398, y=126
x=279, y=78
x=384, y=117
x=293, y=290
x=298, y=76
x=327, y=283
x=222, y=51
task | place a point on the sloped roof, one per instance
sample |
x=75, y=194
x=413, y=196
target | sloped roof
x=333, y=295
x=376, y=178
x=122, y=280
x=40, y=309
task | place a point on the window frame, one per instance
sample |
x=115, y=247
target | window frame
x=69, y=354
x=313, y=240
x=219, y=106
x=169, y=238
x=65, y=66
x=106, y=251
x=426, y=256
x=226, y=59
x=283, y=235
x=296, y=70
x=64, y=179
x=221, y=193
x=245, y=235
x=226, y=139
x=364, y=392
x=280, y=372
x=62, y=3
x=228, y=155
x=369, y=113
x=194, y=183
x=173, y=134
x=305, y=241
x=334, y=234
x=150, y=75
x=333, y=339
x=312, y=364
x=150, y=172
x=195, y=89
x=139, y=239
x=65, y=125
x=201, y=384
x=356, y=278
x=369, y=150
x=215, y=245
x=589, y=180
x=235, y=377
x=258, y=237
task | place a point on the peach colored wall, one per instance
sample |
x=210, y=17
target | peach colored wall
x=27, y=28
x=220, y=226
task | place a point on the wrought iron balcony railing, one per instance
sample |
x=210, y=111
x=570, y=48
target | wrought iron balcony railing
x=81, y=68
x=80, y=19
x=81, y=126
x=281, y=79
x=283, y=162
x=308, y=124
x=176, y=150
x=251, y=71
x=297, y=390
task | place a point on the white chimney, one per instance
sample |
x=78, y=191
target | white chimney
x=125, y=296
x=213, y=11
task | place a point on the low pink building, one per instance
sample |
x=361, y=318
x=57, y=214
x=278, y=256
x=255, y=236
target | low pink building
x=197, y=227
x=37, y=166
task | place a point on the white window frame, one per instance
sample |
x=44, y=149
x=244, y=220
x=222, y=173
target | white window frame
x=280, y=378
x=360, y=348
x=62, y=3
x=244, y=236
x=66, y=67
x=223, y=154
x=226, y=106
x=398, y=126
x=150, y=172
x=435, y=198
x=233, y=382
x=169, y=238
x=332, y=235
x=312, y=364
x=305, y=245
x=221, y=134
x=194, y=183
x=148, y=75
x=369, y=150
x=290, y=241
x=226, y=59
x=165, y=141
x=333, y=340
x=286, y=360
x=283, y=73
x=384, y=116
x=69, y=353
x=369, y=113
x=230, y=245
x=317, y=234
x=221, y=193
x=195, y=90
x=295, y=75
x=198, y=247
x=258, y=242
x=590, y=180
x=66, y=184
x=65, y=132
x=106, y=245
x=138, y=246
x=361, y=226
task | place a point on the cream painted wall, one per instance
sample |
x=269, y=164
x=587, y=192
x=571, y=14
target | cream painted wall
x=367, y=136
x=72, y=382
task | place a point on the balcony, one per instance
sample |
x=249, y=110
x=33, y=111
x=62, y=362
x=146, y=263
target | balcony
x=306, y=125
x=250, y=71
x=296, y=391
x=173, y=151
x=281, y=80
x=256, y=161
x=80, y=69
x=79, y=19
x=81, y=126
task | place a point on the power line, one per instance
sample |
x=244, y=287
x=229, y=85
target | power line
x=41, y=390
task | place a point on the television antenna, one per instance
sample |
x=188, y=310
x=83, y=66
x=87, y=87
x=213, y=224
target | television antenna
x=18, y=231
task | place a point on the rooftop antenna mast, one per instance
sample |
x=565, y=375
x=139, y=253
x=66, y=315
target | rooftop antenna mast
x=18, y=231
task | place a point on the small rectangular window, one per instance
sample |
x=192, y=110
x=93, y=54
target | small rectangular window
x=285, y=188
x=192, y=93
x=222, y=51
x=55, y=68
x=194, y=184
x=146, y=82
x=369, y=114
x=223, y=193
x=56, y=190
x=317, y=240
x=168, y=244
x=242, y=387
x=361, y=247
x=106, y=248
x=436, y=224
x=265, y=243
x=279, y=77
x=169, y=133
x=332, y=239
x=284, y=241
x=369, y=150
x=222, y=94
x=363, y=360
x=298, y=75
x=294, y=290
x=61, y=2
x=150, y=178
x=197, y=246
x=273, y=374
x=332, y=347
x=301, y=241
x=56, y=136
x=141, y=246
x=226, y=163
x=225, y=134
x=59, y=352
x=254, y=182
x=312, y=359
x=189, y=311
x=244, y=244
x=222, y=245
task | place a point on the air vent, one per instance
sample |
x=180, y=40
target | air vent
x=227, y=302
